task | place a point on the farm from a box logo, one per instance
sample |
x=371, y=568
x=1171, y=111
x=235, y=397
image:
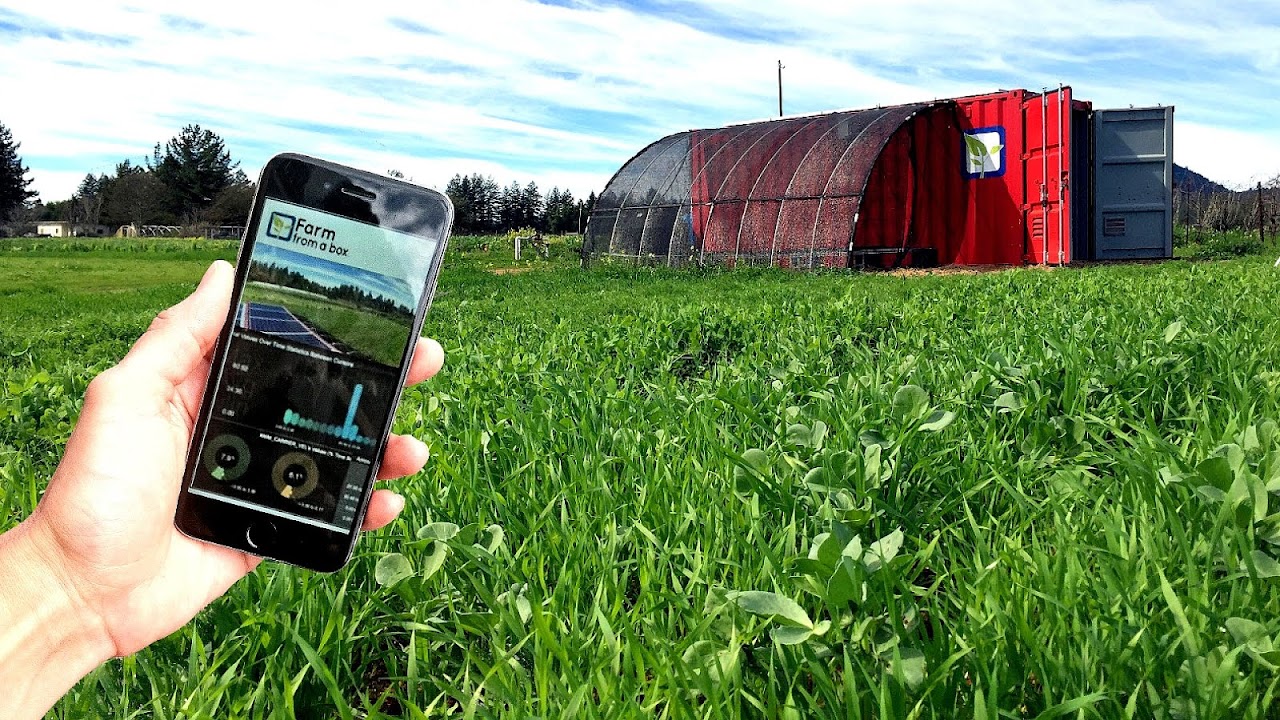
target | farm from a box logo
x=984, y=153
x=281, y=226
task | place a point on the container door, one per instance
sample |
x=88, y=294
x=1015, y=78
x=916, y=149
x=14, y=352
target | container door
x=1081, y=181
x=1133, y=184
x=1047, y=184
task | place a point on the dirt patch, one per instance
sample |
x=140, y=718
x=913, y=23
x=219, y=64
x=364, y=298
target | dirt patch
x=510, y=270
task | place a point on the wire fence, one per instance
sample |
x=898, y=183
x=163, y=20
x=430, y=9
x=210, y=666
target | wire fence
x=1201, y=215
x=209, y=232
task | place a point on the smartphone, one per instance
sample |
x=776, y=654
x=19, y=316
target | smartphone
x=334, y=277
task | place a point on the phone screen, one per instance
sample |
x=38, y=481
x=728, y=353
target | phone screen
x=313, y=365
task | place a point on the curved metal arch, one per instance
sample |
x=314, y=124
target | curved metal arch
x=622, y=205
x=666, y=189
x=903, y=124
x=795, y=173
x=813, y=240
x=866, y=177
x=694, y=181
x=767, y=169
x=873, y=131
x=764, y=171
x=612, y=179
x=736, y=163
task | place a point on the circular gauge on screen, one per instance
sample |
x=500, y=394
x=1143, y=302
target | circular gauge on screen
x=226, y=457
x=295, y=475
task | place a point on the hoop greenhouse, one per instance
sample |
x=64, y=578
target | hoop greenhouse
x=1008, y=178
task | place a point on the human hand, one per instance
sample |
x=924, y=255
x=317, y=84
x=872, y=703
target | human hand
x=104, y=530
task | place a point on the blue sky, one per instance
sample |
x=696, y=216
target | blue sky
x=562, y=92
x=333, y=275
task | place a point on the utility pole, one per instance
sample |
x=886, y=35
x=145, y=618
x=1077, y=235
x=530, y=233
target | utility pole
x=780, y=88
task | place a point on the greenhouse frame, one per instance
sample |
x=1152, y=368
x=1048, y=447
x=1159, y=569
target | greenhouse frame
x=1007, y=178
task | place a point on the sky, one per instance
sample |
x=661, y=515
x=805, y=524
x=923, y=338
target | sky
x=563, y=92
x=334, y=275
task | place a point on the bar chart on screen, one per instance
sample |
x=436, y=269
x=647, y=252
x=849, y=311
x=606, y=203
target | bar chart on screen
x=348, y=430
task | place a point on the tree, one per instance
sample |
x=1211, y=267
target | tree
x=56, y=210
x=15, y=197
x=584, y=210
x=462, y=195
x=194, y=168
x=531, y=207
x=232, y=206
x=86, y=204
x=510, y=206
x=481, y=206
x=561, y=215
x=133, y=197
x=488, y=198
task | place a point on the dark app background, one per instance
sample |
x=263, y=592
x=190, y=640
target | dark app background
x=280, y=436
x=311, y=369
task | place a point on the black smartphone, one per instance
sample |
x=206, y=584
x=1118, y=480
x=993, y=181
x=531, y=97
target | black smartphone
x=334, y=277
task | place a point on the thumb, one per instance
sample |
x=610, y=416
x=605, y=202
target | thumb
x=181, y=338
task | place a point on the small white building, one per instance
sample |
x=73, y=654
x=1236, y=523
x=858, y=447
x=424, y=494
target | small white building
x=65, y=228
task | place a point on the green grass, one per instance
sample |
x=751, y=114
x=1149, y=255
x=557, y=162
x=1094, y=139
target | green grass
x=1213, y=245
x=371, y=334
x=646, y=485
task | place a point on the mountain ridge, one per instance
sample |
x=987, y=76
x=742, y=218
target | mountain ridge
x=1188, y=180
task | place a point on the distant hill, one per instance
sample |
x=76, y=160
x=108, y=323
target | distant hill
x=1191, y=181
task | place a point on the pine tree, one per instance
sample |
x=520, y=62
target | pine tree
x=511, y=207
x=14, y=183
x=488, y=203
x=134, y=196
x=472, y=204
x=561, y=212
x=195, y=168
x=86, y=205
x=531, y=206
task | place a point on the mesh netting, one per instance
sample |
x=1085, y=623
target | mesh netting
x=785, y=192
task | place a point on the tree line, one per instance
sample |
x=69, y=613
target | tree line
x=1227, y=210
x=189, y=180
x=273, y=274
x=192, y=180
x=482, y=207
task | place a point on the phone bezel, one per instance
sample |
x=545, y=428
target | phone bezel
x=301, y=180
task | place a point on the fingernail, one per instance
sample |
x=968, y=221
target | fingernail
x=208, y=273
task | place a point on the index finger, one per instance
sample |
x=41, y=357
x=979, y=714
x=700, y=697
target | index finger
x=428, y=358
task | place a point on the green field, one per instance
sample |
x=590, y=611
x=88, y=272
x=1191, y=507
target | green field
x=369, y=334
x=748, y=494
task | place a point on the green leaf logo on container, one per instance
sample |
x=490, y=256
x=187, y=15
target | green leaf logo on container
x=984, y=153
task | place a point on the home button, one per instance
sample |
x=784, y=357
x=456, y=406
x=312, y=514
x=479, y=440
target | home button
x=261, y=535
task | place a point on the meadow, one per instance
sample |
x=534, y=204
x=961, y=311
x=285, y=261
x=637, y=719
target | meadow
x=750, y=494
x=364, y=332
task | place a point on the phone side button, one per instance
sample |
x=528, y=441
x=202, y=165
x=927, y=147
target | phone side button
x=261, y=535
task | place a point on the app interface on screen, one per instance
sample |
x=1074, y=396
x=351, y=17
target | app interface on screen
x=312, y=365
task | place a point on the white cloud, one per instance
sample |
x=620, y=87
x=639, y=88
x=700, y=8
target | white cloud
x=563, y=95
x=1215, y=152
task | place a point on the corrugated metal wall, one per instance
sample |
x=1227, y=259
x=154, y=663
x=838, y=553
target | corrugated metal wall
x=1134, y=184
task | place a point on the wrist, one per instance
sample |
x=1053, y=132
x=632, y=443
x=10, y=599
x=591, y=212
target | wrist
x=49, y=636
